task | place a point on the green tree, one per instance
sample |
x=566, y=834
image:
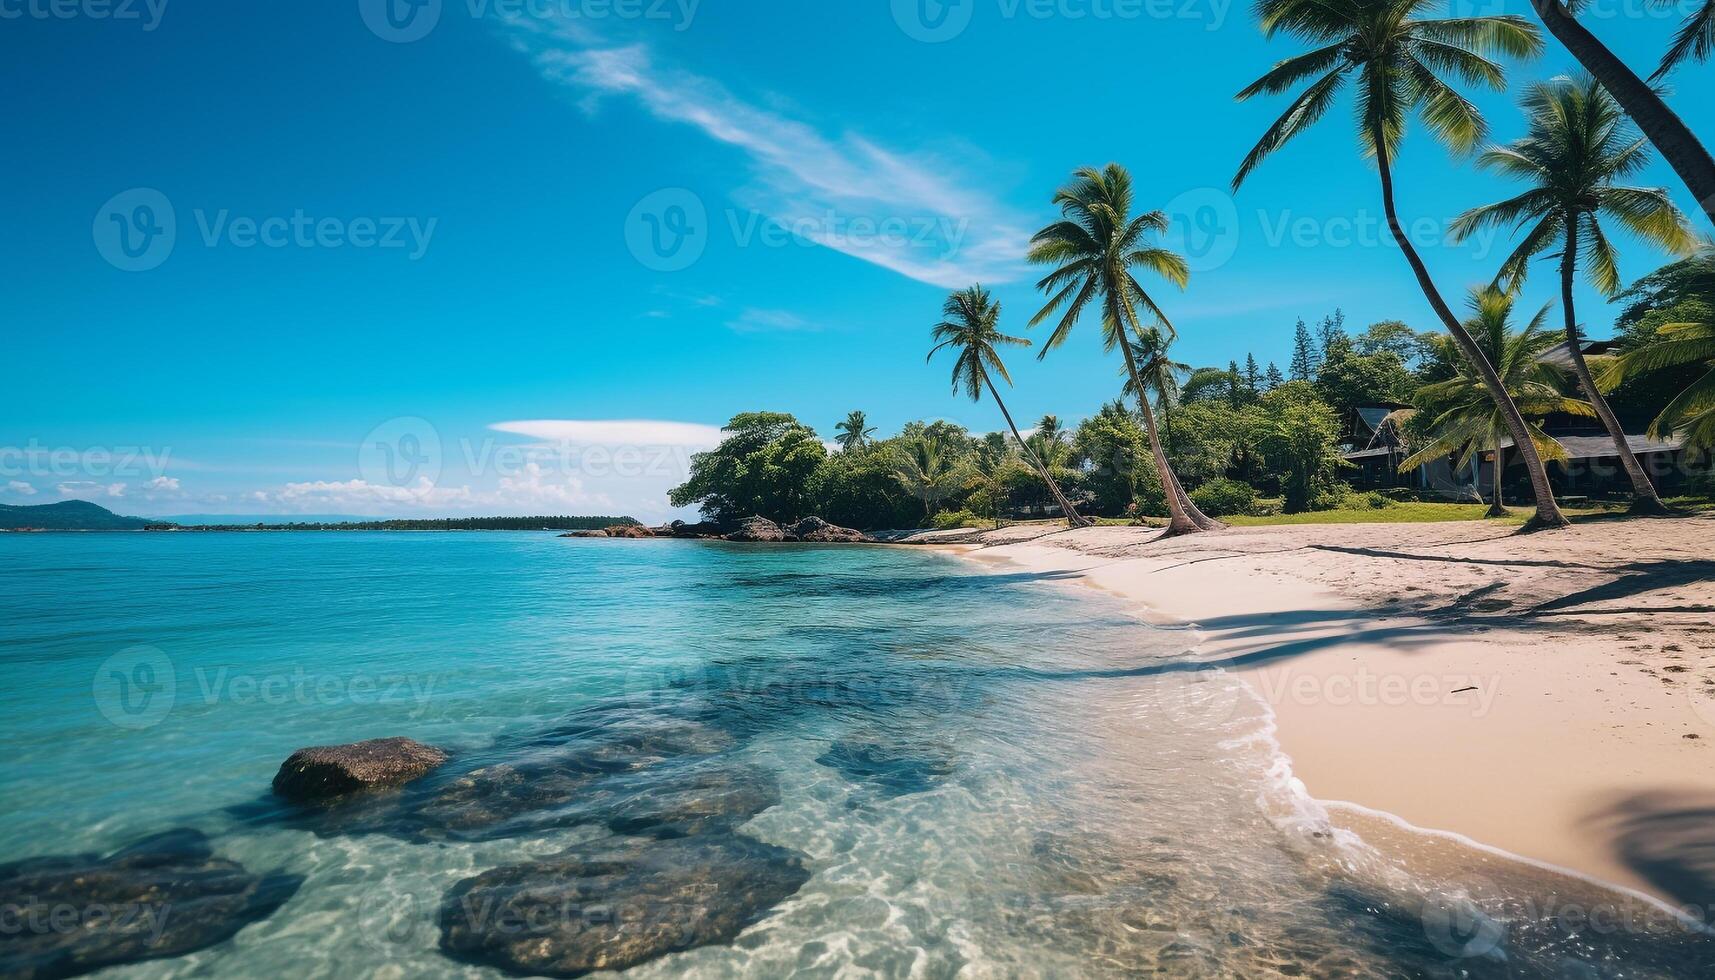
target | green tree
x=1396, y=338
x=1678, y=346
x=1349, y=379
x=1304, y=355
x=1094, y=248
x=1112, y=449
x=763, y=467
x=1463, y=418
x=971, y=325
x=1577, y=147
x=1396, y=59
x=1253, y=376
x=930, y=470
x=1298, y=433
x=1272, y=378
x=854, y=432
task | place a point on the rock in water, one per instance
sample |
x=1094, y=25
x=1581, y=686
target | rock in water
x=757, y=529
x=166, y=895
x=896, y=766
x=584, y=534
x=816, y=529
x=327, y=771
x=629, y=531
x=613, y=904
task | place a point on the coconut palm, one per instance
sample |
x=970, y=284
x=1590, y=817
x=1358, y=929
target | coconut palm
x=854, y=432
x=930, y=471
x=1695, y=40
x=1679, y=146
x=1577, y=148
x=1466, y=420
x=1395, y=59
x=1094, y=249
x=971, y=325
x=1691, y=415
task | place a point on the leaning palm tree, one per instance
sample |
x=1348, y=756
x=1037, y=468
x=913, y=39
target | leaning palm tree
x=1093, y=250
x=1159, y=375
x=854, y=432
x=1694, y=42
x=1679, y=146
x=1577, y=147
x=1395, y=58
x=971, y=325
x=1691, y=414
x=1466, y=420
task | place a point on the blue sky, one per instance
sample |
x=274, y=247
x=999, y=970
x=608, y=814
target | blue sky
x=424, y=264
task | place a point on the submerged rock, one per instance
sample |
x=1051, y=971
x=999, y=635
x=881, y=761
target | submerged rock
x=816, y=529
x=584, y=534
x=894, y=765
x=327, y=771
x=687, y=800
x=757, y=529
x=613, y=904
x=166, y=895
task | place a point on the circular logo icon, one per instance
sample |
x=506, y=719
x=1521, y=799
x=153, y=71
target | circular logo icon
x=1203, y=227
x=933, y=21
x=389, y=916
x=668, y=230
x=1459, y=923
x=135, y=687
x=400, y=21
x=135, y=230
x=403, y=452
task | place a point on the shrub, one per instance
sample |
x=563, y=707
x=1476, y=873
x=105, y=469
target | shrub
x=1225, y=498
x=947, y=520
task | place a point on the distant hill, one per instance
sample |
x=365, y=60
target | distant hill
x=68, y=515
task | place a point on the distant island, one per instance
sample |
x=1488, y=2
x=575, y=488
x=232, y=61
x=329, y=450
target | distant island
x=81, y=515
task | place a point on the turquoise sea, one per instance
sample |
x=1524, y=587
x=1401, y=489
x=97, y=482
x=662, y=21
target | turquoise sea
x=979, y=774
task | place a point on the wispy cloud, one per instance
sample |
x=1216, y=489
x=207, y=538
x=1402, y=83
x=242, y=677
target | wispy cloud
x=770, y=321
x=911, y=213
x=614, y=432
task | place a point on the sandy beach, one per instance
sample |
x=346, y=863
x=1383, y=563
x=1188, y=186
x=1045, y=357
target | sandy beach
x=1550, y=695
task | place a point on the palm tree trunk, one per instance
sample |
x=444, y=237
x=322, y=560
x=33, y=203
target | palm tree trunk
x=1072, y=517
x=1497, y=508
x=1645, y=500
x=1178, y=521
x=1679, y=146
x=1548, y=513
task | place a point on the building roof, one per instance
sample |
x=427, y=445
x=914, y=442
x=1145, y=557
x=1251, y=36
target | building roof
x=1577, y=447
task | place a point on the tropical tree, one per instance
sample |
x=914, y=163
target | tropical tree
x=1464, y=420
x=854, y=432
x=1051, y=441
x=1678, y=144
x=929, y=469
x=1395, y=60
x=1094, y=248
x=1691, y=414
x=1695, y=40
x=971, y=326
x=1577, y=147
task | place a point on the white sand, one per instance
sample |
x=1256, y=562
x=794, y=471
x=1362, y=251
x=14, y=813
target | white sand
x=1414, y=670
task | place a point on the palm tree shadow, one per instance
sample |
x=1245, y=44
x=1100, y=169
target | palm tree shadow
x=1668, y=839
x=1636, y=578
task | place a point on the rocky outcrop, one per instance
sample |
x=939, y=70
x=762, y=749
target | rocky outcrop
x=166, y=895
x=629, y=531
x=584, y=534
x=758, y=529
x=328, y=771
x=705, y=529
x=816, y=529
x=613, y=904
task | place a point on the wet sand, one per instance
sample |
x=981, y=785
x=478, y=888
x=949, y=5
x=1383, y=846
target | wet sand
x=1549, y=695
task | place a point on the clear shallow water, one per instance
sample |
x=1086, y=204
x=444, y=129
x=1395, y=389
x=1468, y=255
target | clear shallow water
x=986, y=775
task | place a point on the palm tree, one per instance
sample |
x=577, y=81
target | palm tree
x=930, y=471
x=1678, y=144
x=1094, y=249
x=1394, y=57
x=1695, y=40
x=1466, y=419
x=971, y=325
x=1160, y=376
x=1691, y=414
x=1578, y=146
x=853, y=432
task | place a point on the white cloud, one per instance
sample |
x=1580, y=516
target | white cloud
x=163, y=484
x=770, y=321
x=619, y=432
x=912, y=214
x=21, y=488
x=89, y=488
